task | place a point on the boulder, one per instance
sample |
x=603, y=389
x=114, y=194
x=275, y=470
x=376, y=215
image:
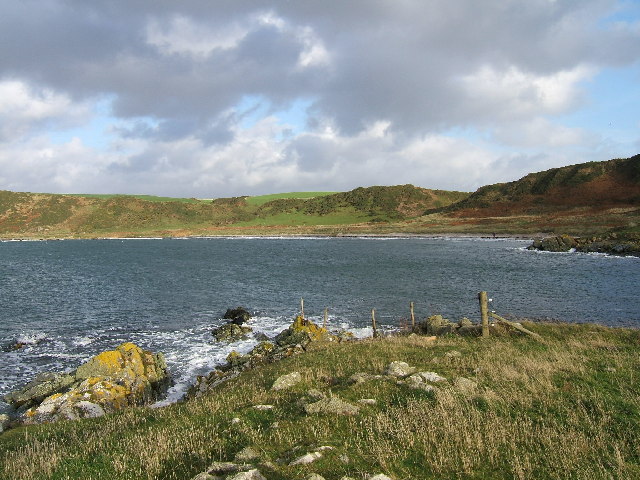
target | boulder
x=110, y=381
x=399, y=369
x=231, y=332
x=238, y=315
x=287, y=381
x=42, y=386
x=331, y=405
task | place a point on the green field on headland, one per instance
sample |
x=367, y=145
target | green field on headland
x=511, y=407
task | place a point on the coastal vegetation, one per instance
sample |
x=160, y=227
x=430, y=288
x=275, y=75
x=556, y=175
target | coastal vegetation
x=500, y=407
x=592, y=198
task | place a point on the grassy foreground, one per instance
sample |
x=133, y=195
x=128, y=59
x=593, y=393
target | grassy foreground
x=568, y=407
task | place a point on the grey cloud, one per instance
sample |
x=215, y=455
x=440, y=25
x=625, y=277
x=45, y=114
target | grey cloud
x=390, y=60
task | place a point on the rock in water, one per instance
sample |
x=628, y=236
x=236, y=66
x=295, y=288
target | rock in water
x=230, y=332
x=237, y=315
x=109, y=381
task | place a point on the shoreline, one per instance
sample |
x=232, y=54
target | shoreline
x=480, y=236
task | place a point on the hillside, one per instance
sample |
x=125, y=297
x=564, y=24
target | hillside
x=595, y=185
x=24, y=215
x=500, y=408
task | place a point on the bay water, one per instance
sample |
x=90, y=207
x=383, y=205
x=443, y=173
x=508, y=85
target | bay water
x=69, y=300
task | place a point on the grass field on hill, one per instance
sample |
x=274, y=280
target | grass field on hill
x=148, y=198
x=566, y=407
x=262, y=199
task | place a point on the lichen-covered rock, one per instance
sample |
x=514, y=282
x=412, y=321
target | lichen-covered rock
x=302, y=332
x=331, y=405
x=287, y=381
x=230, y=332
x=399, y=369
x=107, y=382
x=238, y=315
x=42, y=386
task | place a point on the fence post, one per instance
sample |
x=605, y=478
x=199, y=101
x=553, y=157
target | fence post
x=413, y=318
x=302, y=307
x=373, y=323
x=484, y=313
x=326, y=314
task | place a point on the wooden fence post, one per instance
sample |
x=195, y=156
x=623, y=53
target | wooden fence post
x=413, y=317
x=326, y=314
x=302, y=307
x=484, y=313
x=373, y=323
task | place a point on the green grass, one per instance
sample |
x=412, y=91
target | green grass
x=564, y=408
x=148, y=198
x=262, y=199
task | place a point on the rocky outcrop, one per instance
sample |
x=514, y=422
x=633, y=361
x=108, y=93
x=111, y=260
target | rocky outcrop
x=238, y=315
x=231, y=332
x=613, y=244
x=112, y=380
x=234, y=329
x=292, y=341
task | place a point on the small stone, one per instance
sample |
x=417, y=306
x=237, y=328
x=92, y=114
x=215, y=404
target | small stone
x=429, y=377
x=359, y=377
x=315, y=476
x=610, y=369
x=324, y=448
x=205, y=476
x=347, y=478
x=379, y=476
x=453, y=354
x=399, y=369
x=344, y=458
x=287, y=381
x=247, y=454
x=235, y=420
x=263, y=407
x=89, y=409
x=306, y=459
x=315, y=394
x=368, y=401
x=249, y=475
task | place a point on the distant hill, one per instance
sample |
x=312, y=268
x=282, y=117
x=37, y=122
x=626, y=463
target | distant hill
x=38, y=214
x=598, y=185
x=380, y=203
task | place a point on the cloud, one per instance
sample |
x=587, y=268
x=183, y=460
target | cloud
x=387, y=89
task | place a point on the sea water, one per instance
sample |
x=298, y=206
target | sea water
x=69, y=300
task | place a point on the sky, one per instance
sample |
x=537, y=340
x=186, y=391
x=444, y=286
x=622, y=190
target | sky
x=217, y=98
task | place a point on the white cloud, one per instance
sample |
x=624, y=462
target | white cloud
x=23, y=109
x=509, y=92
